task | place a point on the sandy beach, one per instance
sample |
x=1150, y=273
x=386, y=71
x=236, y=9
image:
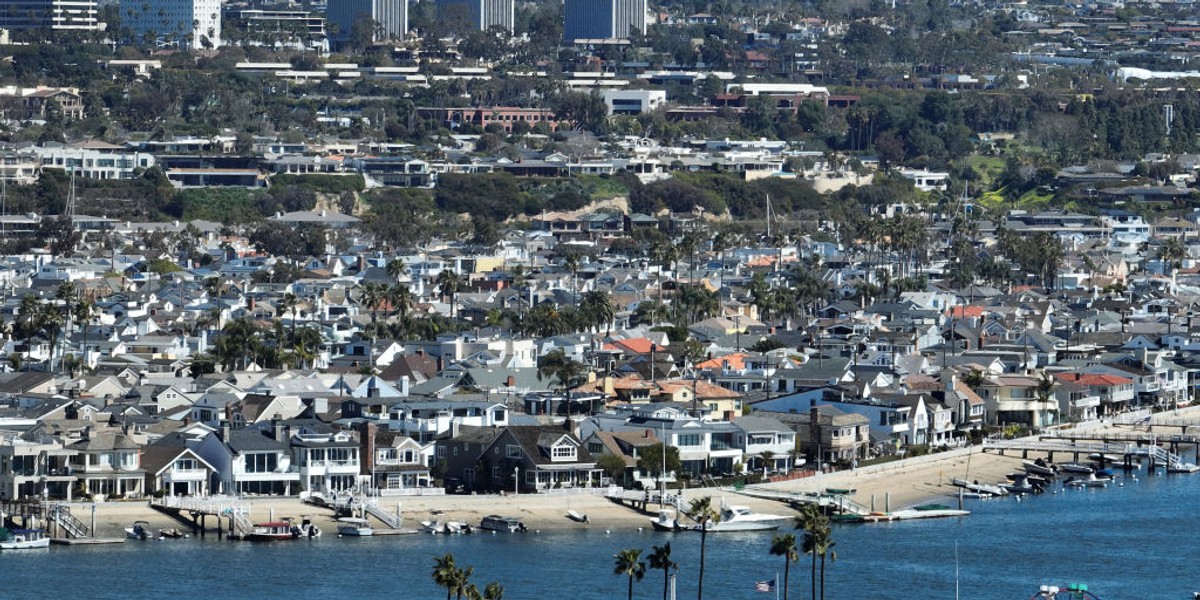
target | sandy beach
x=893, y=486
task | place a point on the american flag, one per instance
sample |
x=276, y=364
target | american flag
x=764, y=586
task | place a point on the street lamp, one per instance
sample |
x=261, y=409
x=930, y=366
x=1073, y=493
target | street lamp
x=516, y=481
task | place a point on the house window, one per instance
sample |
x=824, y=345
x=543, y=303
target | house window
x=512, y=451
x=495, y=472
x=186, y=464
x=595, y=447
x=563, y=452
x=260, y=462
x=688, y=439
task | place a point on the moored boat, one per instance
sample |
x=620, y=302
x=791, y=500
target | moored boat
x=499, y=523
x=354, y=527
x=577, y=516
x=138, y=531
x=983, y=488
x=171, y=533
x=437, y=527
x=272, y=531
x=1089, y=480
x=741, y=518
x=23, y=539
x=666, y=521
x=1077, y=468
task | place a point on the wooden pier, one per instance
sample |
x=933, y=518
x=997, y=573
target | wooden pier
x=194, y=513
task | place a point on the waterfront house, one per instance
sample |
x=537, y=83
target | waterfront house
x=539, y=458
x=627, y=445
x=767, y=442
x=107, y=463
x=1014, y=399
x=394, y=464
x=424, y=421
x=827, y=434
x=33, y=463
x=327, y=460
x=250, y=461
x=174, y=469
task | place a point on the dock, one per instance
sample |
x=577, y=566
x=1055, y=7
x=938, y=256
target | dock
x=89, y=541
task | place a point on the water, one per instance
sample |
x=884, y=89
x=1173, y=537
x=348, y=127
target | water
x=1133, y=542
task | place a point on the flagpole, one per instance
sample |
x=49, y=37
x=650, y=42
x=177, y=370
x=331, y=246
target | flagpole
x=776, y=585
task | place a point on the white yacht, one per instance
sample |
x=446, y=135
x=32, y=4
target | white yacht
x=354, y=526
x=741, y=518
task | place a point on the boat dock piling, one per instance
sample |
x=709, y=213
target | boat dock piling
x=1126, y=446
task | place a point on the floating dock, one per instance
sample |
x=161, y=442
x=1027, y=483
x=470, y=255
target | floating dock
x=90, y=541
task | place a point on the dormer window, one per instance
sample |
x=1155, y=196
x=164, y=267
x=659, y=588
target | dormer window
x=563, y=452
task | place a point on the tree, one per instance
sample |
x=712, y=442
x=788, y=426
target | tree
x=613, y=465
x=562, y=368
x=650, y=460
x=785, y=546
x=702, y=512
x=629, y=564
x=660, y=559
x=449, y=284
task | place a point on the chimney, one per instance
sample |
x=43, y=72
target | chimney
x=405, y=385
x=250, y=302
x=511, y=381
x=366, y=443
x=649, y=433
x=225, y=431
x=277, y=427
x=949, y=380
x=454, y=427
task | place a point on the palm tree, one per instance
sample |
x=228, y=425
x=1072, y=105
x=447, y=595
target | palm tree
x=396, y=269
x=807, y=520
x=597, y=309
x=629, y=564
x=288, y=304
x=444, y=573
x=493, y=591
x=785, y=546
x=702, y=512
x=401, y=298
x=660, y=558
x=823, y=545
x=30, y=314
x=449, y=284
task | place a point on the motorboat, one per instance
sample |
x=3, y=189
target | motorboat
x=272, y=531
x=666, y=521
x=499, y=523
x=929, y=511
x=1038, y=467
x=24, y=539
x=437, y=527
x=1089, y=480
x=306, y=529
x=577, y=516
x=354, y=527
x=1112, y=458
x=1076, y=468
x=741, y=518
x=171, y=533
x=1020, y=485
x=138, y=531
x=983, y=488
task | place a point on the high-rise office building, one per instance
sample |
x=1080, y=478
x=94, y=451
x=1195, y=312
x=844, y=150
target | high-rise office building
x=390, y=15
x=479, y=14
x=57, y=15
x=603, y=19
x=185, y=23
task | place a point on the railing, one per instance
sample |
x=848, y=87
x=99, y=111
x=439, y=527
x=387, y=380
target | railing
x=1141, y=415
x=241, y=524
x=393, y=521
x=61, y=514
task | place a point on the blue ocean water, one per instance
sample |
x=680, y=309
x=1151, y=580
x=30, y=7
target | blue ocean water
x=1131, y=542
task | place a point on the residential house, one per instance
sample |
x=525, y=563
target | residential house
x=108, y=464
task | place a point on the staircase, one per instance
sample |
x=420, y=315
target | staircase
x=241, y=525
x=61, y=514
x=372, y=508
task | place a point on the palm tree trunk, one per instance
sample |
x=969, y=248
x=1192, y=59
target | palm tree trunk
x=813, y=578
x=700, y=579
x=787, y=564
x=822, y=576
x=666, y=583
x=631, y=586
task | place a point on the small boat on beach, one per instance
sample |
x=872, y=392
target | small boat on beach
x=577, y=516
x=23, y=539
x=1039, y=467
x=171, y=533
x=138, y=531
x=1020, y=485
x=499, y=523
x=982, y=488
x=437, y=527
